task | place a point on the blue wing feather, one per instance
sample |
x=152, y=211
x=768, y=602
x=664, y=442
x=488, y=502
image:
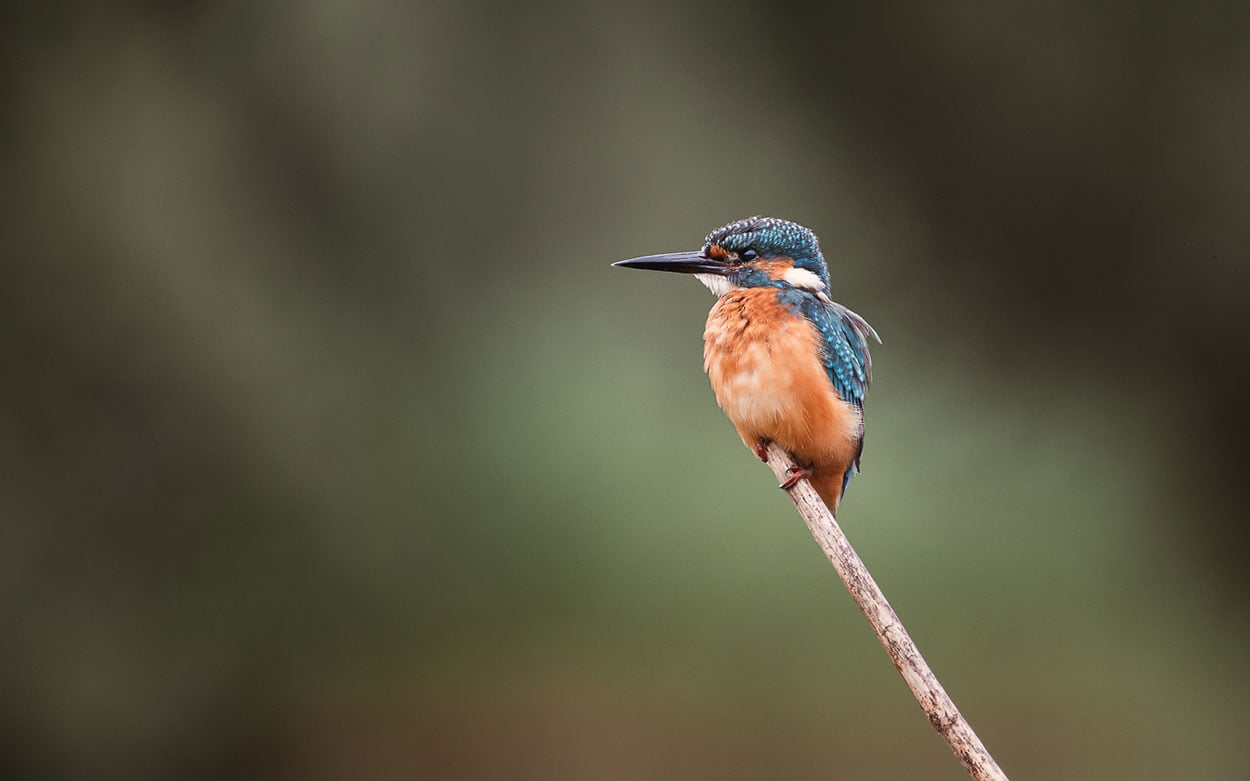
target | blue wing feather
x=847, y=361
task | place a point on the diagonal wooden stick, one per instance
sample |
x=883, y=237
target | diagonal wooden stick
x=924, y=685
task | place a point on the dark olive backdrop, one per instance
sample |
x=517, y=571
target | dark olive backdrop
x=331, y=446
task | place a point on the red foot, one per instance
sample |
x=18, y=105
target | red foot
x=793, y=475
x=761, y=449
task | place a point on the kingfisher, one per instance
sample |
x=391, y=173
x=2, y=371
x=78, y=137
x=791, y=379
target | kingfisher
x=787, y=363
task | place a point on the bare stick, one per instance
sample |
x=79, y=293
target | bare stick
x=937, y=705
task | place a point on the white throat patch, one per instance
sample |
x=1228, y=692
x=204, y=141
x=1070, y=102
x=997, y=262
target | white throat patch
x=716, y=283
x=795, y=277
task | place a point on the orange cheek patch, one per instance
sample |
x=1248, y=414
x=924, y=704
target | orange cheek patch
x=717, y=252
x=776, y=268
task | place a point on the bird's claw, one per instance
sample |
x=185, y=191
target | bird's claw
x=761, y=449
x=793, y=475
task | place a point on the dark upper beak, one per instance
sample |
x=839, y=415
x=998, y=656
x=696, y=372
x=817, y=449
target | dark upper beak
x=682, y=262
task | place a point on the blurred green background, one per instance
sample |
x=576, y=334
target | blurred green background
x=332, y=447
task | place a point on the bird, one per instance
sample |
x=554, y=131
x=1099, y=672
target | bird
x=787, y=364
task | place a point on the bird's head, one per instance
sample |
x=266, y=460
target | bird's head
x=755, y=252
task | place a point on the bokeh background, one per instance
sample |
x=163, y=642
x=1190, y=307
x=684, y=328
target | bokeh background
x=332, y=447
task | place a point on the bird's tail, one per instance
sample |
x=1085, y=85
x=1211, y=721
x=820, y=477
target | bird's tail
x=829, y=485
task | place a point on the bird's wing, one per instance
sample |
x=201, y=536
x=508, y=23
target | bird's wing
x=845, y=336
x=847, y=361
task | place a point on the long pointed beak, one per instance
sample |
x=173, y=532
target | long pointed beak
x=681, y=262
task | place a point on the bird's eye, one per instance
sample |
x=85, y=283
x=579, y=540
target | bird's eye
x=749, y=254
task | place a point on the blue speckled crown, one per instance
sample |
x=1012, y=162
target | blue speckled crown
x=772, y=238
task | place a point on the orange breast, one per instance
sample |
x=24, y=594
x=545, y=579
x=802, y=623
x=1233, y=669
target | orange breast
x=765, y=366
